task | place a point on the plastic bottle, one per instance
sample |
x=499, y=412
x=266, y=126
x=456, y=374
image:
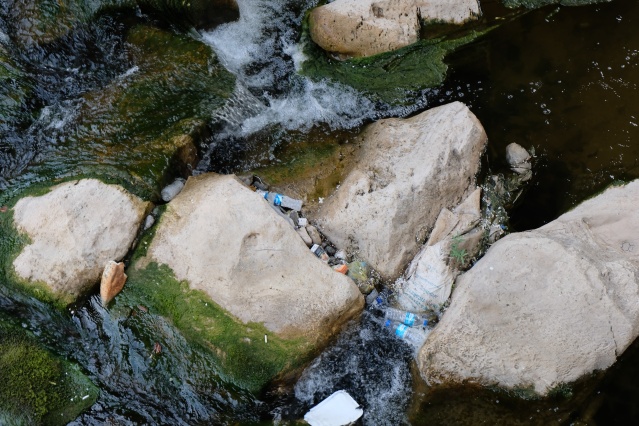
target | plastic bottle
x=378, y=300
x=408, y=318
x=414, y=336
x=281, y=200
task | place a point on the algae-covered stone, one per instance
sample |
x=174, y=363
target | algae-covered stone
x=74, y=230
x=237, y=278
x=38, y=387
x=144, y=124
x=37, y=22
x=15, y=88
x=392, y=77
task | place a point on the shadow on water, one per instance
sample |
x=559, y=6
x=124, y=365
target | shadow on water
x=561, y=80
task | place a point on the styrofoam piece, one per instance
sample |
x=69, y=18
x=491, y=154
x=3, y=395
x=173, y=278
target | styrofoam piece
x=339, y=409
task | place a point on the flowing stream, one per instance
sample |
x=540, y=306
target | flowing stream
x=561, y=80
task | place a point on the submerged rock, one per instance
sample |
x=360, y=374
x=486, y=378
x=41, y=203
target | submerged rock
x=407, y=171
x=74, y=230
x=355, y=28
x=140, y=129
x=38, y=387
x=545, y=307
x=228, y=247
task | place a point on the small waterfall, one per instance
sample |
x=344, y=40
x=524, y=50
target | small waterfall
x=263, y=51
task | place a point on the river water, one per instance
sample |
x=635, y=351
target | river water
x=560, y=80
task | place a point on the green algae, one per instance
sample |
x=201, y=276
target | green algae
x=15, y=89
x=241, y=352
x=38, y=387
x=127, y=132
x=393, y=77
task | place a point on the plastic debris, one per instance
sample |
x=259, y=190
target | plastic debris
x=281, y=200
x=319, y=252
x=171, y=191
x=342, y=269
x=339, y=409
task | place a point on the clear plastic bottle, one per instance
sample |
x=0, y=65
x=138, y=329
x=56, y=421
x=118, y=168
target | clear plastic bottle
x=408, y=318
x=414, y=336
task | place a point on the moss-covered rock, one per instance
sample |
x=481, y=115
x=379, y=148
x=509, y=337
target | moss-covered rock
x=144, y=124
x=15, y=88
x=38, y=387
x=393, y=77
x=534, y=4
x=38, y=22
x=242, y=353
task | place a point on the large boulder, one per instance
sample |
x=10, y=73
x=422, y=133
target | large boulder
x=364, y=28
x=75, y=229
x=407, y=171
x=545, y=307
x=226, y=241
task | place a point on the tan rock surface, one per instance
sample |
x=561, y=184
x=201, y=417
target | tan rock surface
x=368, y=27
x=74, y=230
x=408, y=170
x=227, y=241
x=548, y=306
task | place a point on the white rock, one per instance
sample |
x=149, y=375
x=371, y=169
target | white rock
x=408, y=170
x=227, y=241
x=369, y=27
x=548, y=306
x=75, y=230
x=518, y=157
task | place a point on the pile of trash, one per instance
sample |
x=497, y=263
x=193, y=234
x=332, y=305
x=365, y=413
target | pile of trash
x=290, y=209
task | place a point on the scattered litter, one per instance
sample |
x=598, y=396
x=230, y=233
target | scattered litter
x=339, y=409
x=342, y=269
x=3, y=209
x=340, y=254
x=319, y=252
x=148, y=222
x=302, y=221
x=414, y=336
x=281, y=200
x=265, y=338
x=85, y=397
x=157, y=348
x=172, y=190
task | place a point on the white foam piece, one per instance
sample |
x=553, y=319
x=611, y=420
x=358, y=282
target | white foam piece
x=337, y=410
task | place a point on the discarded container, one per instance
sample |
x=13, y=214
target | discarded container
x=342, y=269
x=172, y=190
x=281, y=200
x=408, y=318
x=378, y=300
x=339, y=409
x=358, y=271
x=319, y=252
x=414, y=336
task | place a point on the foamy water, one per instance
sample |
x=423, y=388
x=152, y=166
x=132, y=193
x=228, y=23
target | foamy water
x=262, y=50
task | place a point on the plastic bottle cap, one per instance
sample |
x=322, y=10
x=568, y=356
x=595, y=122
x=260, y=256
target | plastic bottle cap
x=425, y=323
x=387, y=323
